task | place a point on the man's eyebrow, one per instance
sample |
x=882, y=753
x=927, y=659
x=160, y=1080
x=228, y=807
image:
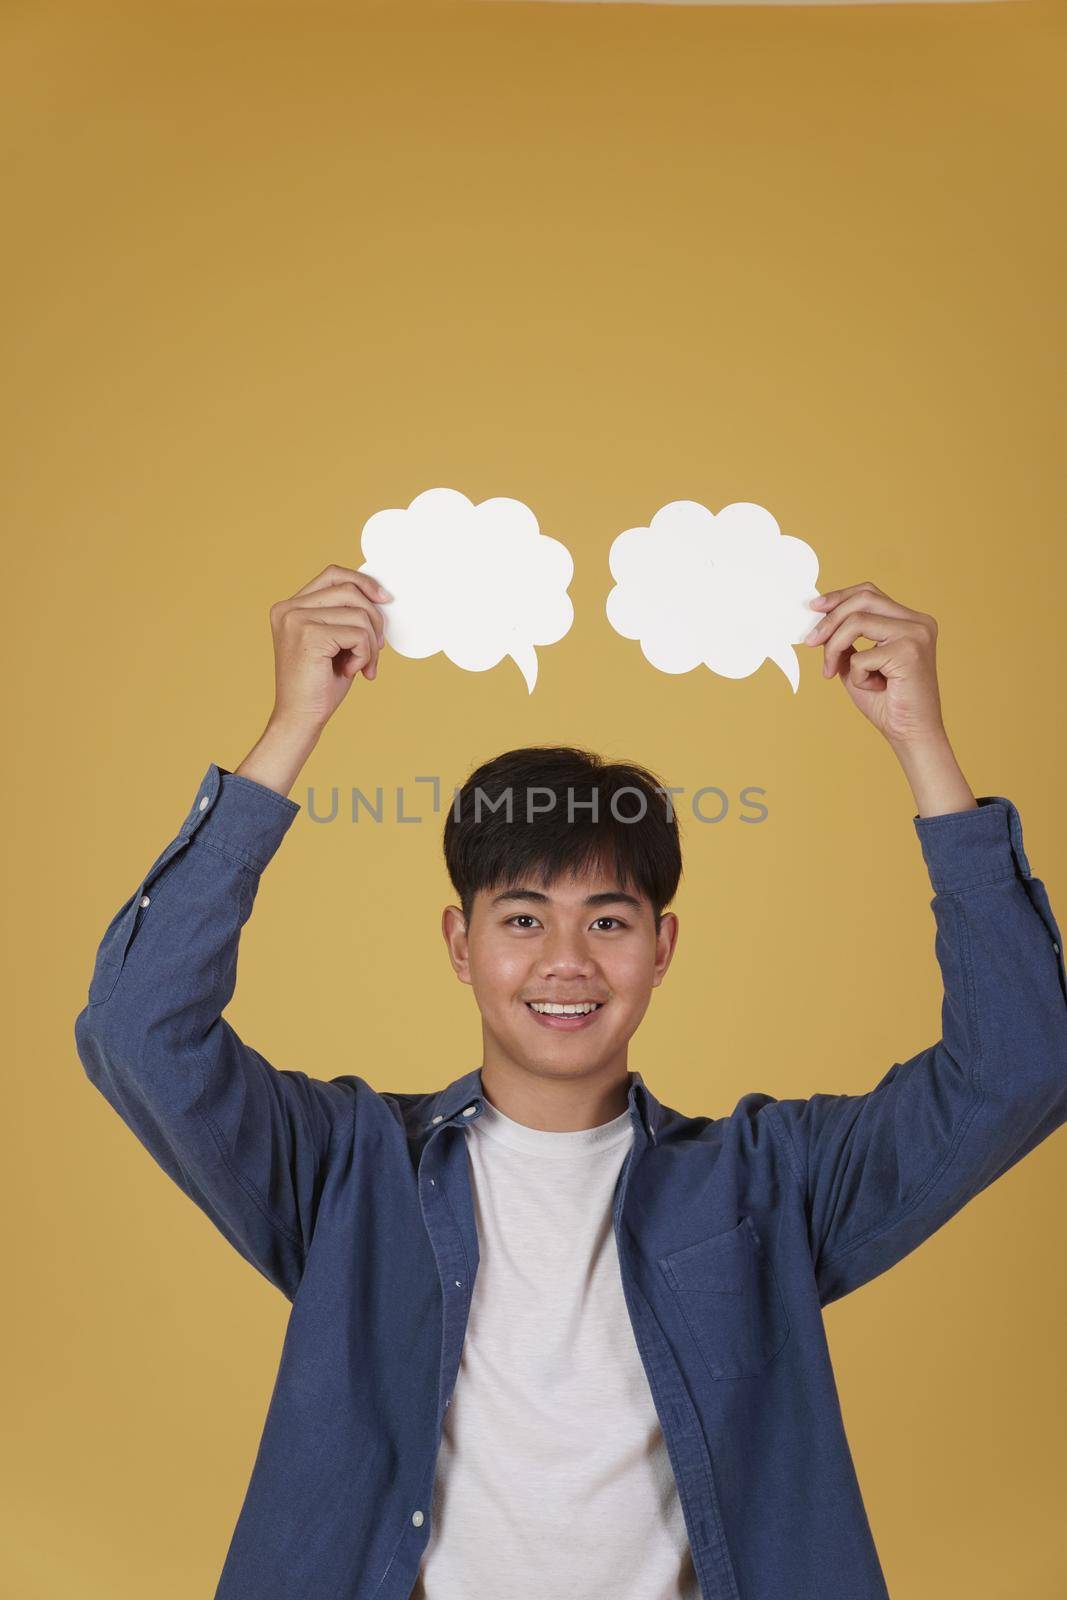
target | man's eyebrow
x=605, y=897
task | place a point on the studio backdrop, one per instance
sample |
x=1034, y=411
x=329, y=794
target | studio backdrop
x=272, y=268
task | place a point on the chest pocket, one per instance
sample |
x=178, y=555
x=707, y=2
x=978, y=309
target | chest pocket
x=728, y=1293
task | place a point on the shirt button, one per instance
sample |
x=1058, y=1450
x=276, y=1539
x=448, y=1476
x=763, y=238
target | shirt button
x=204, y=803
x=1056, y=947
x=417, y=1518
x=145, y=900
x=470, y=1110
x=435, y=1119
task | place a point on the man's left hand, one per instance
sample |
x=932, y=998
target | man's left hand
x=894, y=681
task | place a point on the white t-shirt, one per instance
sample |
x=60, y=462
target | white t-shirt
x=553, y=1480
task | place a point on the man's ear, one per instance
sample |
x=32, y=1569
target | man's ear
x=454, y=929
x=666, y=944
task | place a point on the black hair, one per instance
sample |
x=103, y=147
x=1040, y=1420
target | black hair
x=546, y=810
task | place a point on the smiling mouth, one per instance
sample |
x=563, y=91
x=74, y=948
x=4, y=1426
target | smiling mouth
x=564, y=1018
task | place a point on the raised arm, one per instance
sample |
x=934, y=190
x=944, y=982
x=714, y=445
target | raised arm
x=881, y=1171
x=249, y=1143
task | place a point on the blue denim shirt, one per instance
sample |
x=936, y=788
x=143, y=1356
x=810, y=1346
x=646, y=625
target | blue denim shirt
x=733, y=1231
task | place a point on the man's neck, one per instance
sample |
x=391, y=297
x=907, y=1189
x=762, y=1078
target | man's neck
x=557, y=1104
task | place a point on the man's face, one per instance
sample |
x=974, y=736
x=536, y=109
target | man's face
x=577, y=940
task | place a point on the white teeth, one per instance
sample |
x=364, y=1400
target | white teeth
x=550, y=1010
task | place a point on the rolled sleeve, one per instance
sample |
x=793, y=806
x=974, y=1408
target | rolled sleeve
x=242, y=818
x=968, y=849
x=965, y=850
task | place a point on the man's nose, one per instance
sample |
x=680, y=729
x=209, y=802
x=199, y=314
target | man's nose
x=566, y=951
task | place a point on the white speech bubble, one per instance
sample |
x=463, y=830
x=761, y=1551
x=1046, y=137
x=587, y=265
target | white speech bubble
x=728, y=591
x=479, y=582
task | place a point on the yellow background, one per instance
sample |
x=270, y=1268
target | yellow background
x=273, y=267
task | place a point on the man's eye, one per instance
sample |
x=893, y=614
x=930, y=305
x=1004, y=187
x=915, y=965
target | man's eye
x=523, y=916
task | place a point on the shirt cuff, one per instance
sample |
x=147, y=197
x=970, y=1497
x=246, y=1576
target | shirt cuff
x=242, y=818
x=968, y=849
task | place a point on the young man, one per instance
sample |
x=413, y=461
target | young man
x=550, y=1338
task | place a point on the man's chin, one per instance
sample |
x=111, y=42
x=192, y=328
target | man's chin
x=564, y=1057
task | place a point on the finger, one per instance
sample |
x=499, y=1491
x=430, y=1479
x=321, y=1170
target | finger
x=336, y=574
x=353, y=660
x=860, y=600
x=832, y=596
x=890, y=660
x=871, y=625
x=863, y=667
x=347, y=634
x=844, y=669
x=346, y=595
x=341, y=594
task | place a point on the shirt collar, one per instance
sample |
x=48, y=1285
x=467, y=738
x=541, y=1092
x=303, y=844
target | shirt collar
x=463, y=1099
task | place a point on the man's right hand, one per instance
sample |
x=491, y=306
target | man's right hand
x=324, y=636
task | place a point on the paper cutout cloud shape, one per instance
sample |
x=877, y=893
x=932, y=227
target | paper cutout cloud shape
x=479, y=582
x=729, y=591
